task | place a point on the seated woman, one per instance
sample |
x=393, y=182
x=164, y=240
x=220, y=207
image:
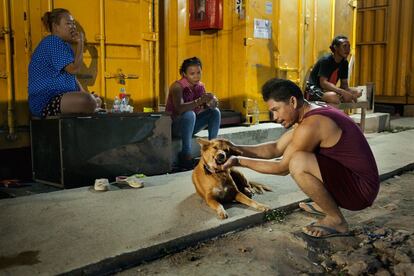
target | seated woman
x=53, y=87
x=191, y=109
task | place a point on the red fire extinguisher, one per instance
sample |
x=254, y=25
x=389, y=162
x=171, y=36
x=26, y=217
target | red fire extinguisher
x=206, y=14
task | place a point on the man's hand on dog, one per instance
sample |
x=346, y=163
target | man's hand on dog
x=231, y=162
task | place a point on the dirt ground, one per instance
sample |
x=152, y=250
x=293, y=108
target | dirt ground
x=383, y=244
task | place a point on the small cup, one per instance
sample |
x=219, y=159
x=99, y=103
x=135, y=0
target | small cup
x=121, y=179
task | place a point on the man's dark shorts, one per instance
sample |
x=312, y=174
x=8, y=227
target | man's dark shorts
x=344, y=186
x=313, y=93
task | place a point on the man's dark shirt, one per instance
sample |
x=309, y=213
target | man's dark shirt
x=328, y=68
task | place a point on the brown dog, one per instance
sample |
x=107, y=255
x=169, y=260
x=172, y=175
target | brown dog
x=217, y=186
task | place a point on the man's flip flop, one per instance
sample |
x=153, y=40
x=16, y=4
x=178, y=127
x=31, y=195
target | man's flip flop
x=312, y=209
x=329, y=232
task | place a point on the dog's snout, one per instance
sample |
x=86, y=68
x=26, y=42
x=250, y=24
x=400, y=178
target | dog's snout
x=221, y=158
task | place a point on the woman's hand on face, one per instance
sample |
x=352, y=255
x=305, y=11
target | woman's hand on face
x=77, y=37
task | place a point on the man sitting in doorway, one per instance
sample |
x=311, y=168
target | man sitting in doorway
x=326, y=73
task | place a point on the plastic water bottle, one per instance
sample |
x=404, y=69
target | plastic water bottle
x=116, y=106
x=124, y=100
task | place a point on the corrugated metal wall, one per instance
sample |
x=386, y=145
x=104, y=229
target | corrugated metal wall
x=385, y=46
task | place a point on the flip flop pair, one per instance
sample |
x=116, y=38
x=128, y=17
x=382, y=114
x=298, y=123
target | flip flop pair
x=311, y=209
x=329, y=232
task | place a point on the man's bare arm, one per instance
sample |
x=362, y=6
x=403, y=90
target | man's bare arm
x=306, y=137
x=267, y=150
x=355, y=93
x=327, y=86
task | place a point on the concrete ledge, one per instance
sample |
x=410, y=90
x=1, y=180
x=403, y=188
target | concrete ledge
x=374, y=122
x=245, y=135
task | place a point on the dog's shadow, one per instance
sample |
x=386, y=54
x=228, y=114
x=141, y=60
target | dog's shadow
x=196, y=208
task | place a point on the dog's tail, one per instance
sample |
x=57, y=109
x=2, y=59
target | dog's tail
x=260, y=188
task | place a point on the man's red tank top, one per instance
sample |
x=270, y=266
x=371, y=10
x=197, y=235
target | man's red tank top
x=352, y=150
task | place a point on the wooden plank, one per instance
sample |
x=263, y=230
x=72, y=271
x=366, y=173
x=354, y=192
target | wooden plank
x=353, y=105
x=391, y=99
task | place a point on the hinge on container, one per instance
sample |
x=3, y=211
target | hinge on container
x=248, y=41
x=4, y=31
x=121, y=76
x=353, y=3
x=99, y=37
x=150, y=36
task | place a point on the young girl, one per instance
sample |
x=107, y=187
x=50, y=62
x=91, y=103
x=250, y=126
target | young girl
x=53, y=87
x=191, y=109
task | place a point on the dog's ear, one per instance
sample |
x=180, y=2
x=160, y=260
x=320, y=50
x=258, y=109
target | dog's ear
x=203, y=142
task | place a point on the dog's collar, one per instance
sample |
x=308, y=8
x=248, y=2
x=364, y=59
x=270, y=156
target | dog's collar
x=207, y=169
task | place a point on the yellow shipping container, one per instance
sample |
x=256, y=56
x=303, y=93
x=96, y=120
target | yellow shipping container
x=259, y=40
x=144, y=42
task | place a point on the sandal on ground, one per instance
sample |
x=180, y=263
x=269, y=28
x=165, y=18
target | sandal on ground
x=311, y=209
x=328, y=232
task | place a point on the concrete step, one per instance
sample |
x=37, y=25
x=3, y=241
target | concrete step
x=409, y=110
x=374, y=122
x=265, y=132
x=245, y=135
x=402, y=123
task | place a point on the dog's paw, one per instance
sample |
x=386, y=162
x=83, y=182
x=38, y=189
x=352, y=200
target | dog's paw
x=263, y=207
x=222, y=214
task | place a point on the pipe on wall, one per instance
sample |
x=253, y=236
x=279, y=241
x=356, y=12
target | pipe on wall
x=151, y=49
x=102, y=48
x=353, y=39
x=333, y=18
x=50, y=5
x=11, y=96
x=315, y=30
x=301, y=40
x=156, y=29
